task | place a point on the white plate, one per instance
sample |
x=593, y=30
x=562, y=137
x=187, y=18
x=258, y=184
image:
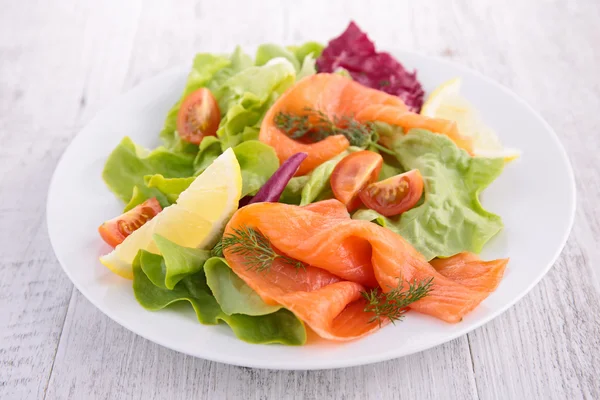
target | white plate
x=535, y=196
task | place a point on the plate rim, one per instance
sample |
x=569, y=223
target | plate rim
x=329, y=364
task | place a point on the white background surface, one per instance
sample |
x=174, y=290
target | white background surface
x=61, y=63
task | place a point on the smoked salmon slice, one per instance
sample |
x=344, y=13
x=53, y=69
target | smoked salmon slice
x=469, y=270
x=408, y=120
x=337, y=97
x=344, y=257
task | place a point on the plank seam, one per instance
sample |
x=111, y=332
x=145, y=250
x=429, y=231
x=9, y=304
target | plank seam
x=60, y=336
x=473, y=366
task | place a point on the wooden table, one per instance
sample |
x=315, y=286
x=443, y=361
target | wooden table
x=62, y=61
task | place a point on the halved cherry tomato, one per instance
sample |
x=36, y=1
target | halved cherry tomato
x=354, y=172
x=198, y=116
x=117, y=229
x=394, y=195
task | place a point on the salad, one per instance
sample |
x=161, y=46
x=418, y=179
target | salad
x=309, y=187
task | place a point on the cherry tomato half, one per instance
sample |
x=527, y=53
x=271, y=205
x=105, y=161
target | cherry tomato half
x=198, y=116
x=354, y=172
x=394, y=195
x=117, y=229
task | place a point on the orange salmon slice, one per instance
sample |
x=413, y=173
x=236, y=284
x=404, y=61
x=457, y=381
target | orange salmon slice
x=344, y=257
x=337, y=97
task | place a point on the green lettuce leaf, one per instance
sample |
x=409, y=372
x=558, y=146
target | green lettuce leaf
x=297, y=55
x=292, y=194
x=191, y=288
x=140, y=195
x=170, y=187
x=312, y=49
x=128, y=163
x=318, y=187
x=204, y=67
x=451, y=218
x=258, y=161
x=342, y=72
x=302, y=57
x=281, y=327
x=232, y=293
x=267, y=52
x=238, y=61
x=303, y=190
x=308, y=68
x=245, y=98
x=366, y=214
x=390, y=167
x=318, y=181
x=208, y=151
x=177, y=262
x=208, y=70
x=183, y=269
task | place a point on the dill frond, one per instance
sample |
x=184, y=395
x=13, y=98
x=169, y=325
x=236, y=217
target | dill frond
x=393, y=304
x=258, y=253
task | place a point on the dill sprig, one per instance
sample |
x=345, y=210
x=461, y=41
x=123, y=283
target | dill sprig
x=258, y=253
x=392, y=305
x=217, y=251
x=321, y=126
x=296, y=126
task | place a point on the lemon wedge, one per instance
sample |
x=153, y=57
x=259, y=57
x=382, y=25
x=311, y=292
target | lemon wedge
x=196, y=220
x=446, y=102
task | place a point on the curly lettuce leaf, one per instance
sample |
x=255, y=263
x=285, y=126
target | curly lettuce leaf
x=303, y=190
x=170, y=187
x=307, y=68
x=208, y=70
x=312, y=49
x=281, y=327
x=387, y=134
x=128, y=163
x=297, y=55
x=238, y=61
x=259, y=323
x=208, y=151
x=258, y=161
x=366, y=214
x=292, y=194
x=318, y=180
x=232, y=293
x=266, y=52
x=390, y=167
x=451, y=218
x=204, y=67
x=245, y=98
x=177, y=263
x=141, y=194
x=302, y=57
x=317, y=186
x=191, y=288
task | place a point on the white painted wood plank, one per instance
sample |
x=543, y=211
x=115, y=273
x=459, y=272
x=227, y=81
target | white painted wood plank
x=547, y=346
x=103, y=360
x=45, y=70
x=34, y=129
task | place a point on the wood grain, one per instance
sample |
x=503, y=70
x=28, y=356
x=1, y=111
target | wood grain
x=62, y=62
